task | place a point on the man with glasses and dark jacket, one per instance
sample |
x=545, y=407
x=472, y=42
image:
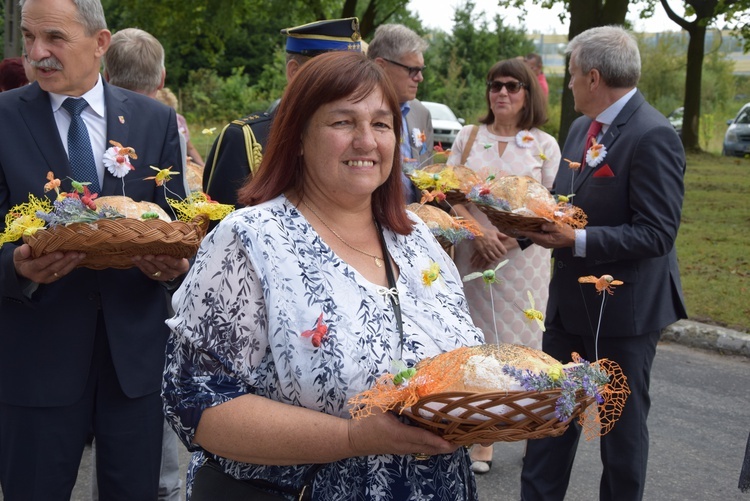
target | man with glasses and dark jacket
x=399, y=51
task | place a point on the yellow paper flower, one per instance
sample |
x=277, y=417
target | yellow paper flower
x=209, y=132
x=431, y=274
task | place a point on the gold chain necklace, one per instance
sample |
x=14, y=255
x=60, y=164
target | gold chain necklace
x=378, y=260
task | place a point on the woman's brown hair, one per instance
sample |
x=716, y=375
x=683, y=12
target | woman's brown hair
x=324, y=79
x=534, y=112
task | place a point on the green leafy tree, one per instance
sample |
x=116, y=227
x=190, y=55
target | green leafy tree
x=458, y=63
x=705, y=12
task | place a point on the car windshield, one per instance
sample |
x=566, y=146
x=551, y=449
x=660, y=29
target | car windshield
x=441, y=113
x=743, y=117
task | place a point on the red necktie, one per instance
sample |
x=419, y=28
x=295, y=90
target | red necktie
x=594, y=129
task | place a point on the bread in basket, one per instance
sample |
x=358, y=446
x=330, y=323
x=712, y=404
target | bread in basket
x=502, y=392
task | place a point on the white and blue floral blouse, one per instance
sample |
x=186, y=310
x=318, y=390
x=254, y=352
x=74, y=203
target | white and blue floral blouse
x=261, y=279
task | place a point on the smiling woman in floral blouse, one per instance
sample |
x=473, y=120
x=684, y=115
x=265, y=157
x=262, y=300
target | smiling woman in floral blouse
x=288, y=311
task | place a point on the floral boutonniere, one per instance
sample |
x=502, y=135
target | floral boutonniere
x=524, y=139
x=595, y=155
x=419, y=139
x=117, y=159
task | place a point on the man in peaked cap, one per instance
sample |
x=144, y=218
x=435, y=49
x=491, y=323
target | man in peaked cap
x=237, y=152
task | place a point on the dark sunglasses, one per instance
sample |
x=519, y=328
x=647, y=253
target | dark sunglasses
x=413, y=70
x=513, y=87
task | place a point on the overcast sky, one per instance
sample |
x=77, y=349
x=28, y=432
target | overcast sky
x=439, y=14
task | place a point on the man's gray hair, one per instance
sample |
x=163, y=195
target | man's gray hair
x=135, y=61
x=391, y=41
x=610, y=49
x=90, y=15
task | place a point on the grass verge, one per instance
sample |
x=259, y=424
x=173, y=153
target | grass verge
x=714, y=241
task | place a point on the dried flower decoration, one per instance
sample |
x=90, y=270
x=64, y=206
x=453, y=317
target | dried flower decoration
x=569, y=379
x=524, y=139
x=595, y=155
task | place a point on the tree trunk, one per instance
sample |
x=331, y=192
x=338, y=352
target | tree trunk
x=12, y=39
x=693, y=76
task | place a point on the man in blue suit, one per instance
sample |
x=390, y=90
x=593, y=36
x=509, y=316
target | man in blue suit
x=631, y=188
x=80, y=349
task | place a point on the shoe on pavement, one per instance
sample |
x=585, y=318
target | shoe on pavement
x=481, y=467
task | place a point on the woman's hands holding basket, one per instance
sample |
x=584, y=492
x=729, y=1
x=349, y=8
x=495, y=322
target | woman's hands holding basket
x=490, y=248
x=383, y=433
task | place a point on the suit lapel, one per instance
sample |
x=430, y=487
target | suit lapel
x=45, y=133
x=118, y=129
x=610, y=137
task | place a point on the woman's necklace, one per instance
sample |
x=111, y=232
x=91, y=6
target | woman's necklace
x=378, y=260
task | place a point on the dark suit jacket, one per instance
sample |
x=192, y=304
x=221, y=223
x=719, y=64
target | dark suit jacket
x=46, y=341
x=633, y=217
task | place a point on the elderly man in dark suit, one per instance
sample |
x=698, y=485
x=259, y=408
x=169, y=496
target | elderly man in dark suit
x=80, y=350
x=630, y=184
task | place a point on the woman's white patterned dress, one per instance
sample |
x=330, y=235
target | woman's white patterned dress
x=527, y=270
x=264, y=276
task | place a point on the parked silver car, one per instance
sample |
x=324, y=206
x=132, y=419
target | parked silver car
x=445, y=125
x=737, y=137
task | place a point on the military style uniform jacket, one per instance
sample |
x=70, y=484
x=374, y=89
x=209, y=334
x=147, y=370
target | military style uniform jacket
x=235, y=155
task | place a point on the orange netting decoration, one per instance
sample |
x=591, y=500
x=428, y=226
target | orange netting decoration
x=561, y=213
x=599, y=420
x=433, y=375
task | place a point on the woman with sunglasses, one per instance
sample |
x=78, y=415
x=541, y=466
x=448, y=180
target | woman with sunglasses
x=507, y=142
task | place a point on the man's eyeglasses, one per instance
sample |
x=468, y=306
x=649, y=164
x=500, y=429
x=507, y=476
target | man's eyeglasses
x=513, y=87
x=413, y=70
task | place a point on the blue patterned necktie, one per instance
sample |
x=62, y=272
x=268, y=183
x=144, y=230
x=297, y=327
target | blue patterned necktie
x=80, y=154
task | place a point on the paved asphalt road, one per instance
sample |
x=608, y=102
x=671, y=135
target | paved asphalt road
x=699, y=423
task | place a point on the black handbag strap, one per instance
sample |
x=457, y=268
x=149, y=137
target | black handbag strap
x=392, y=291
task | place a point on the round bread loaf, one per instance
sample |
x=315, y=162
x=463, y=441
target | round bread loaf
x=519, y=191
x=432, y=216
x=481, y=369
x=130, y=208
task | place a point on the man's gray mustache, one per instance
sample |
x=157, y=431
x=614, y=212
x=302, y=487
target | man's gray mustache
x=46, y=64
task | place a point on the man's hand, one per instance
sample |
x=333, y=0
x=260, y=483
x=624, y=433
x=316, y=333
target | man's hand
x=45, y=269
x=162, y=268
x=552, y=236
